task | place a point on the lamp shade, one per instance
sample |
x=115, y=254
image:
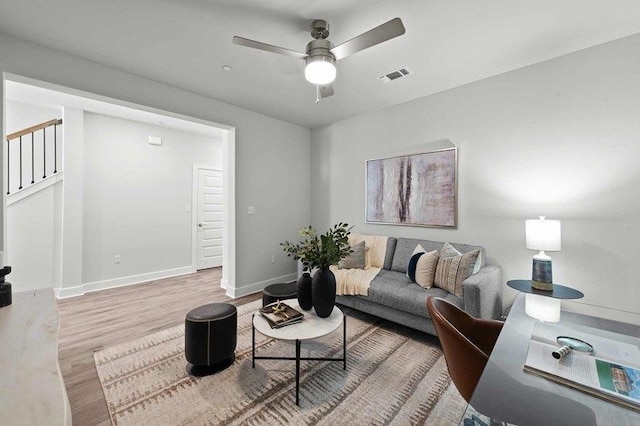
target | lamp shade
x=320, y=70
x=543, y=234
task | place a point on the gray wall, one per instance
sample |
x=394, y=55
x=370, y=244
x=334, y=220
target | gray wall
x=135, y=196
x=272, y=156
x=560, y=138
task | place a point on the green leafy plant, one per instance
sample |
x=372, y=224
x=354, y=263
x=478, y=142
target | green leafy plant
x=320, y=251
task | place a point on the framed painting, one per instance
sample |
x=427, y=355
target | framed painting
x=416, y=190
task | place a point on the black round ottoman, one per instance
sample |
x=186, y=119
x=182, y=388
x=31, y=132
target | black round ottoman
x=274, y=292
x=210, y=338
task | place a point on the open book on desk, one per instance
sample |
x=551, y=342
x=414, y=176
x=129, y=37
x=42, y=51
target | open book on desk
x=611, y=372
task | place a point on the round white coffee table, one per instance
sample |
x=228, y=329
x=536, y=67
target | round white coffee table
x=311, y=327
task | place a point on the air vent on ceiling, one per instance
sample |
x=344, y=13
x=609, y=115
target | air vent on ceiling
x=395, y=74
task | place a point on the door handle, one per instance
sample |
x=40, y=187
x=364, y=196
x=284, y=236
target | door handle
x=201, y=225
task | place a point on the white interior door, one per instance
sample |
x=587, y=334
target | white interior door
x=209, y=218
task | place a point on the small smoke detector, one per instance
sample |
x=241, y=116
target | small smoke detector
x=395, y=74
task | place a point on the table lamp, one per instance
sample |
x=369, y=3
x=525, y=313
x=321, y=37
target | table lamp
x=543, y=235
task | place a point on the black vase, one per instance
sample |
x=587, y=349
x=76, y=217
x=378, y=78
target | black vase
x=304, y=292
x=323, y=292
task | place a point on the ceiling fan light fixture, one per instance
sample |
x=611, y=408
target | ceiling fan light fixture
x=320, y=70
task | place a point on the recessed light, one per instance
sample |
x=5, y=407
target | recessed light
x=227, y=68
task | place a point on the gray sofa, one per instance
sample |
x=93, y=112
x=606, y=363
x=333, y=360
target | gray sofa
x=394, y=297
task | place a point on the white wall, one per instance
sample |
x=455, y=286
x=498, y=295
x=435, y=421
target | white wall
x=135, y=196
x=21, y=115
x=272, y=156
x=72, y=198
x=560, y=138
x=31, y=240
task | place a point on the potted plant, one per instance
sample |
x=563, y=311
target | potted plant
x=319, y=251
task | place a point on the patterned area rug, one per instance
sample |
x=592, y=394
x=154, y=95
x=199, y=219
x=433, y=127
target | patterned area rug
x=394, y=376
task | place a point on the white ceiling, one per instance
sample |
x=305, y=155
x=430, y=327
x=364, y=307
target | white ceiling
x=448, y=43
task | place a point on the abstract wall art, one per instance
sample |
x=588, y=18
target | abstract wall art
x=418, y=189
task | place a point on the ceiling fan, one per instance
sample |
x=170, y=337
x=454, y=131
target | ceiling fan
x=320, y=59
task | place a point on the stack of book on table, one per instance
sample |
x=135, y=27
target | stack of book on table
x=611, y=372
x=280, y=315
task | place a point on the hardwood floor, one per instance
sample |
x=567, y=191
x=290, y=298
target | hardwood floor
x=107, y=317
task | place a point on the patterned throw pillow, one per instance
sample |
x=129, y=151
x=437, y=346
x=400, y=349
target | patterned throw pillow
x=453, y=268
x=426, y=269
x=422, y=267
x=413, y=262
x=355, y=260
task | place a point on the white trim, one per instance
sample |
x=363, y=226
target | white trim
x=194, y=212
x=65, y=292
x=259, y=286
x=62, y=293
x=32, y=189
x=89, y=95
x=228, y=280
x=3, y=214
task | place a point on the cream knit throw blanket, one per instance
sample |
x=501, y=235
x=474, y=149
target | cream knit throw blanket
x=356, y=281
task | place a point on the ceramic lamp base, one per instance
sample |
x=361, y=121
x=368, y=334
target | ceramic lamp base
x=541, y=277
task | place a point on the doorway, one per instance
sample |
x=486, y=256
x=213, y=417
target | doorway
x=223, y=248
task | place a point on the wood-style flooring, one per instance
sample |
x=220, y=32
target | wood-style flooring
x=108, y=317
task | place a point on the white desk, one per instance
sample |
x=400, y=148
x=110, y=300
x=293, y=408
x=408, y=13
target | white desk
x=32, y=391
x=506, y=392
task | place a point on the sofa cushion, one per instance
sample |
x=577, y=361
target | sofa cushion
x=413, y=262
x=453, y=268
x=395, y=290
x=405, y=246
x=391, y=248
x=355, y=260
x=426, y=269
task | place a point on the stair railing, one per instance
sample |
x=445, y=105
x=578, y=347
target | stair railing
x=32, y=130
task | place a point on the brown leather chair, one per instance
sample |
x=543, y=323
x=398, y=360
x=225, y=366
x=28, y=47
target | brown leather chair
x=466, y=341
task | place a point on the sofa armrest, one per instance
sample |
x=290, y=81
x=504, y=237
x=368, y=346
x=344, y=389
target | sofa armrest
x=482, y=293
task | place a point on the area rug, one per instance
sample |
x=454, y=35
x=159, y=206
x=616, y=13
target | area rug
x=394, y=376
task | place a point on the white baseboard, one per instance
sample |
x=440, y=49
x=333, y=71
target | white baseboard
x=62, y=293
x=65, y=292
x=259, y=286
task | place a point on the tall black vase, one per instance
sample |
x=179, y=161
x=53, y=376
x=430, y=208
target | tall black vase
x=304, y=292
x=323, y=292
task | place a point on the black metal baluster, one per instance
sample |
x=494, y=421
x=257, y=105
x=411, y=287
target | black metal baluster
x=20, y=187
x=33, y=180
x=55, y=148
x=44, y=153
x=8, y=170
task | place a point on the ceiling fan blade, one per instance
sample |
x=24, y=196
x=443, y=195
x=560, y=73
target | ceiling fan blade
x=326, y=91
x=268, y=47
x=379, y=34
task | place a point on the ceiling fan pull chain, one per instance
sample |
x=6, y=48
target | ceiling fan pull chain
x=317, y=94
